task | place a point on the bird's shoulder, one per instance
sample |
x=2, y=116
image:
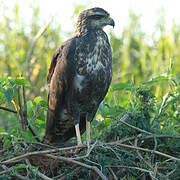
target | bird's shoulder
x=64, y=54
x=67, y=49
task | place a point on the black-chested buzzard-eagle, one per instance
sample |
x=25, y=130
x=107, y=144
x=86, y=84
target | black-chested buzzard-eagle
x=79, y=76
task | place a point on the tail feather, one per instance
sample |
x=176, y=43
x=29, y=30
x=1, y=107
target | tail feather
x=50, y=127
x=59, y=131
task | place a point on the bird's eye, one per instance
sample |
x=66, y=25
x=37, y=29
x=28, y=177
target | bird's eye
x=96, y=16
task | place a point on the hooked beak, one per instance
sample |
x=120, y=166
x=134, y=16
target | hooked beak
x=111, y=22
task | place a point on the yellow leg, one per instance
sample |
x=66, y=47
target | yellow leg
x=78, y=135
x=88, y=137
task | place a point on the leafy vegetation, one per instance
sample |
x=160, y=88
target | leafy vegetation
x=137, y=125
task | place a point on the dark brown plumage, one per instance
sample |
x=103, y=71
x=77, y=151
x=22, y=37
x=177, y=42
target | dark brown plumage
x=79, y=76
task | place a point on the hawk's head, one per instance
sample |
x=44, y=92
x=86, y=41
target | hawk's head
x=95, y=18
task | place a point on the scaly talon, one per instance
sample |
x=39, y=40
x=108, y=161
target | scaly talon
x=78, y=135
x=88, y=137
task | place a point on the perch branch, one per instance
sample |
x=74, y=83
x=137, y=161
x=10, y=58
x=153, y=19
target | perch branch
x=94, y=168
x=88, y=153
x=20, y=157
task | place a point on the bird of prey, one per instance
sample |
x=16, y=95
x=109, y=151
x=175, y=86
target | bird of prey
x=79, y=77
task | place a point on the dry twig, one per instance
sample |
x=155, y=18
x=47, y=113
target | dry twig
x=112, y=172
x=7, y=109
x=125, y=118
x=140, y=156
x=88, y=153
x=20, y=157
x=153, y=175
x=94, y=168
x=131, y=167
x=143, y=149
x=148, y=137
x=38, y=172
x=7, y=170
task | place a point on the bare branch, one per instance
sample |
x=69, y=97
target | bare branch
x=38, y=172
x=19, y=158
x=148, y=137
x=33, y=133
x=143, y=149
x=94, y=168
x=140, y=156
x=88, y=153
x=154, y=171
x=7, y=109
x=112, y=172
x=131, y=167
x=126, y=117
x=7, y=170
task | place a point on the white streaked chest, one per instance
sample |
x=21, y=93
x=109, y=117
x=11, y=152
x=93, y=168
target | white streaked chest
x=78, y=79
x=94, y=63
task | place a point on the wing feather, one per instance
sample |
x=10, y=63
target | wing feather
x=53, y=64
x=60, y=77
